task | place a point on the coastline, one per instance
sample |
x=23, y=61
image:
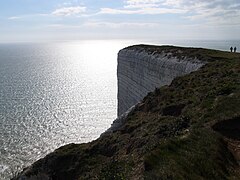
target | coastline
x=173, y=124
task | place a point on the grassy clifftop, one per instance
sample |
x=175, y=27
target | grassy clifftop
x=188, y=130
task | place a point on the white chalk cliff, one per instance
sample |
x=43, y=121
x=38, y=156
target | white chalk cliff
x=140, y=71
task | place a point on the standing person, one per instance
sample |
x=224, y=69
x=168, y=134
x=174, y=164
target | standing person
x=235, y=49
x=231, y=49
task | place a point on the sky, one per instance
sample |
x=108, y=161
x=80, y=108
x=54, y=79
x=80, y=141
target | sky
x=56, y=20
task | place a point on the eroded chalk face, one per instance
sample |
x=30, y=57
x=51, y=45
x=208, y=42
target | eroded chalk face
x=140, y=72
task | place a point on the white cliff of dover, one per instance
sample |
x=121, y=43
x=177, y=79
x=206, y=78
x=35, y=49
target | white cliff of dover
x=140, y=72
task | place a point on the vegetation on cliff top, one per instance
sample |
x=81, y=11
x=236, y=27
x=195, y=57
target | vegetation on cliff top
x=187, y=130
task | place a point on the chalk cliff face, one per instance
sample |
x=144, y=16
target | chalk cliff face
x=141, y=71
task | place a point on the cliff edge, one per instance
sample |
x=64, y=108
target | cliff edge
x=143, y=68
x=189, y=129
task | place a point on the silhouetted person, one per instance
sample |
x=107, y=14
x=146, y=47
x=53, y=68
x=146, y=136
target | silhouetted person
x=235, y=49
x=231, y=49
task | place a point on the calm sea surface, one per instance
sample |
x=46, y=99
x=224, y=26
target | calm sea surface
x=59, y=93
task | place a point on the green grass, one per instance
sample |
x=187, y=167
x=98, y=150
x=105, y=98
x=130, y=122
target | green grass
x=201, y=155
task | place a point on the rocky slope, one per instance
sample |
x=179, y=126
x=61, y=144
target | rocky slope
x=187, y=130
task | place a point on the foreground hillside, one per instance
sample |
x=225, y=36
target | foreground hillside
x=188, y=130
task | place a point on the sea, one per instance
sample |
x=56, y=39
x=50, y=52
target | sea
x=56, y=93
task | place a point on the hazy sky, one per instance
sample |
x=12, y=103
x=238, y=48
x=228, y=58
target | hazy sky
x=43, y=20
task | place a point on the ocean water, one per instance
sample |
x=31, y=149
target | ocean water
x=53, y=94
